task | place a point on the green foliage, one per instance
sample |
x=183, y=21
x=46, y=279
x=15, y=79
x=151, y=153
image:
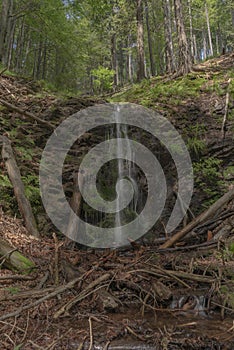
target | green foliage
x=7, y=199
x=103, y=79
x=4, y=181
x=208, y=178
x=32, y=190
x=194, y=135
x=170, y=92
x=18, y=347
x=24, y=153
x=13, y=290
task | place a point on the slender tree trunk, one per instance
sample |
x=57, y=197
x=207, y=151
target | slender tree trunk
x=6, y=4
x=204, y=46
x=121, y=64
x=114, y=60
x=20, y=47
x=217, y=44
x=39, y=59
x=208, y=29
x=195, y=48
x=184, y=57
x=10, y=42
x=44, y=63
x=150, y=45
x=129, y=59
x=6, y=30
x=26, y=53
x=140, y=41
x=191, y=30
x=169, y=52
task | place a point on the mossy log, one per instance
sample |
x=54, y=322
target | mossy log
x=13, y=259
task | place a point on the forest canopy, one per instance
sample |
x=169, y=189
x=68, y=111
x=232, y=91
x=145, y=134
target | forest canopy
x=95, y=46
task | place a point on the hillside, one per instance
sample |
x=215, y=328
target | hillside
x=142, y=296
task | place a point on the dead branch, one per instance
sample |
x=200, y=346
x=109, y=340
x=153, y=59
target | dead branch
x=26, y=113
x=200, y=219
x=180, y=274
x=26, y=294
x=223, y=130
x=82, y=295
x=18, y=186
x=17, y=278
x=59, y=290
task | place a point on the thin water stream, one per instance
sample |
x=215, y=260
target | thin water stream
x=126, y=170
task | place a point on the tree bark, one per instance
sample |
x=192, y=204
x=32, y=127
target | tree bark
x=129, y=59
x=140, y=41
x=204, y=46
x=191, y=30
x=5, y=19
x=114, y=59
x=150, y=44
x=184, y=57
x=208, y=29
x=169, y=52
x=18, y=186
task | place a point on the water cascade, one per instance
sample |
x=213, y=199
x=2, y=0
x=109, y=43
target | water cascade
x=125, y=170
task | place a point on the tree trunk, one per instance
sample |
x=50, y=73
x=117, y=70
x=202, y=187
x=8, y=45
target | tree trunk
x=196, y=57
x=150, y=45
x=6, y=11
x=114, y=60
x=191, y=31
x=140, y=41
x=217, y=44
x=184, y=57
x=121, y=64
x=169, y=52
x=204, y=46
x=10, y=43
x=18, y=186
x=208, y=29
x=129, y=59
x=44, y=63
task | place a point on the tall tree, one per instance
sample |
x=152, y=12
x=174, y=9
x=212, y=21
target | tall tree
x=184, y=57
x=169, y=52
x=6, y=12
x=208, y=29
x=150, y=44
x=140, y=41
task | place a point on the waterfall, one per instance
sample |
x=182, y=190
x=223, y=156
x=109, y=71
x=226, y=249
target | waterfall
x=125, y=170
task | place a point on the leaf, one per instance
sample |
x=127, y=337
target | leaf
x=209, y=235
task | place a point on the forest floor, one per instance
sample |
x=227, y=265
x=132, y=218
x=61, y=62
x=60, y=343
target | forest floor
x=143, y=297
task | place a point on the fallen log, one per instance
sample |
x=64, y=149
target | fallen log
x=200, y=219
x=26, y=113
x=18, y=186
x=13, y=259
